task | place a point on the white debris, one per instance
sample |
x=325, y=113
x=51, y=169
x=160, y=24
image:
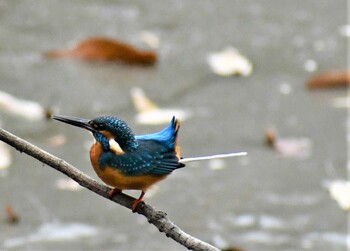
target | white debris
x=229, y=62
x=289, y=147
x=150, y=114
x=245, y=220
x=217, y=164
x=53, y=231
x=219, y=241
x=27, y=109
x=310, y=65
x=149, y=38
x=285, y=88
x=345, y=30
x=294, y=147
x=57, y=140
x=67, y=184
x=340, y=191
x=271, y=222
x=341, y=102
x=5, y=156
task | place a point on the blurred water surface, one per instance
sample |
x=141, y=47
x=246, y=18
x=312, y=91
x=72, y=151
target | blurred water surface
x=259, y=202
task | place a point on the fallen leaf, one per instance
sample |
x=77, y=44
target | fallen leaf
x=105, y=49
x=329, y=79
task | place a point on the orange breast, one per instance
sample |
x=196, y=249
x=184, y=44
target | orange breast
x=116, y=179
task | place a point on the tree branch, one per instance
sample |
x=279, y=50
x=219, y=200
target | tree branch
x=157, y=218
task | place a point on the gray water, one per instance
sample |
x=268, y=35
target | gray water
x=263, y=201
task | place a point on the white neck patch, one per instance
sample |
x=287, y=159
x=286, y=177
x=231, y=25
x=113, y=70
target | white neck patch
x=115, y=147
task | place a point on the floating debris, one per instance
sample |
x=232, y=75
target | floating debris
x=340, y=191
x=149, y=38
x=57, y=140
x=11, y=216
x=271, y=222
x=216, y=164
x=285, y=88
x=219, y=241
x=266, y=238
x=105, y=49
x=229, y=62
x=291, y=147
x=5, y=156
x=310, y=65
x=345, y=30
x=245, y=220
x=341, y=102
x=68, y=184
x=27, y=109
x=264, y=221
x=329, y=79
x=317, y=239
x=53, y=231
x=150, y=114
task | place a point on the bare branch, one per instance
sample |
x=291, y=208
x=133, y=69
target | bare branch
x=157, y=218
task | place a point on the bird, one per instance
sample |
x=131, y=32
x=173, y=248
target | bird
x=105, y=49
x=126, y=161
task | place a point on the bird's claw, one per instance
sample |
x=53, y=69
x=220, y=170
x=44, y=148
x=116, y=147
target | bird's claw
x=113, y=192
x=135, y=204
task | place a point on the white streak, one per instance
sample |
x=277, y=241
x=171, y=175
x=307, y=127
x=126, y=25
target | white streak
x=217, y=156
x=115, y=147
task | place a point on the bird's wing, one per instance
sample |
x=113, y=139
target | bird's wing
x=150, y=158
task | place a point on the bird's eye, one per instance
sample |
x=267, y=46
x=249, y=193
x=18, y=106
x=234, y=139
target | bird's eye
x=95, y=125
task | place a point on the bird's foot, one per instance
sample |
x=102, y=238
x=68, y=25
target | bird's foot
x=113, y=192
x=135, y=203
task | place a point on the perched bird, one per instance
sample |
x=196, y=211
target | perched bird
x=105, y=49
x=125, y=161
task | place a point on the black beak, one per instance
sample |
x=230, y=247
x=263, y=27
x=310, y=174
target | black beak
x=79, y=122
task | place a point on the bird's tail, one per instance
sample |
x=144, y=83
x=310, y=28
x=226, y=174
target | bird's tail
x=217, y=156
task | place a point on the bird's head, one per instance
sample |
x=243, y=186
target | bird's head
x=113, y=133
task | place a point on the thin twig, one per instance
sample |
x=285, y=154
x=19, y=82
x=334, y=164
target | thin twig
x=157, y=218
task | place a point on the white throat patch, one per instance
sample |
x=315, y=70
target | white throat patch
x=115, y=147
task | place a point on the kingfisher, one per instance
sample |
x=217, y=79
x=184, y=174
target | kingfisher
x=126, y=161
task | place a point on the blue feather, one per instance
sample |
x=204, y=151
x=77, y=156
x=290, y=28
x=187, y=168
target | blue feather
x=150, y=158
x=166, y=136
